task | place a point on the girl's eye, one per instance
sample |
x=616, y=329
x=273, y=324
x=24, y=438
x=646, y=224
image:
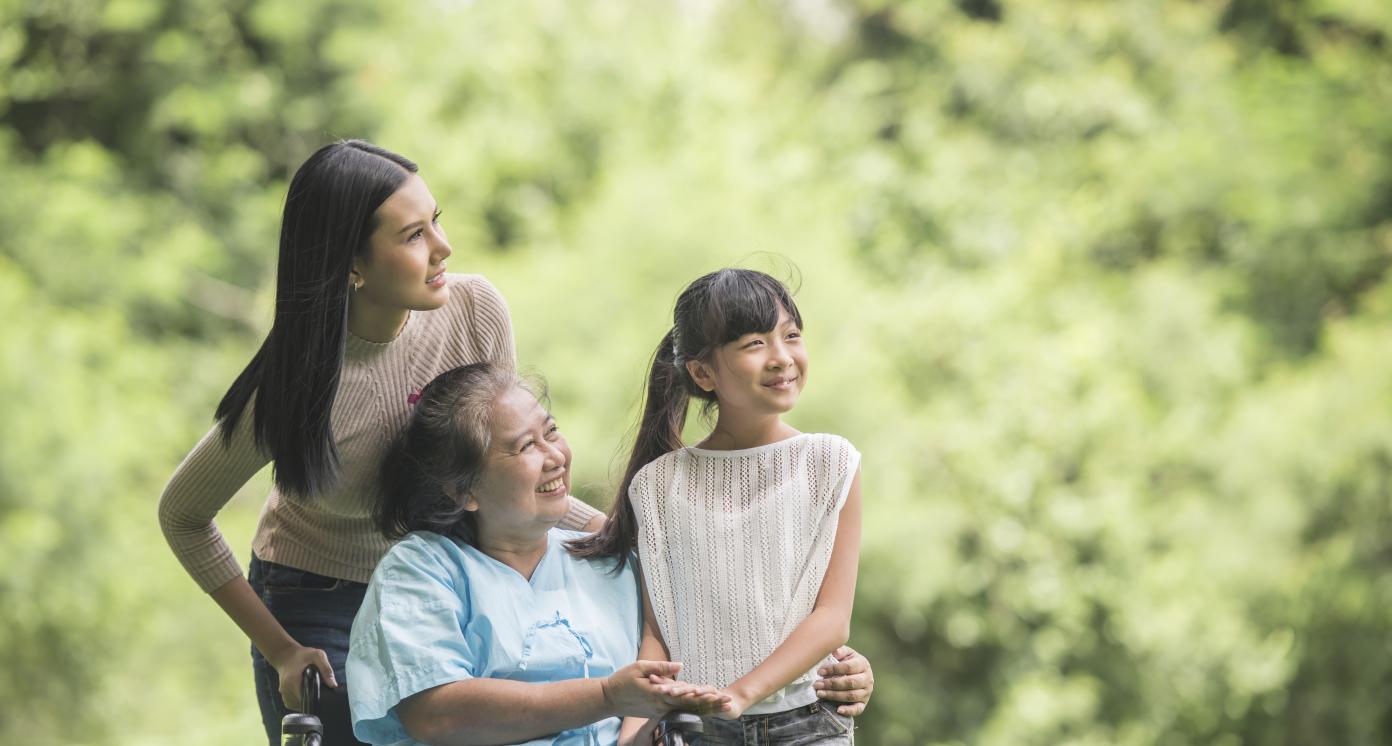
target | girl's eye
x=553, y=432
x=419, y=232
x=753, y=343
x=794, y=335
x=436, y=218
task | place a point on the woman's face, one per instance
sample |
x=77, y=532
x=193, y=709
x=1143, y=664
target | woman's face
x=524, y=488
x=405, y=263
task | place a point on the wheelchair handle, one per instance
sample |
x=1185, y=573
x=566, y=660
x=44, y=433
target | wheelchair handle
x=309, y=690
x=304, y=728
x=678, y=728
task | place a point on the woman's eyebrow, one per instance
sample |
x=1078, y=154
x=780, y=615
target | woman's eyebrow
x=418, y=223
x=522, y=434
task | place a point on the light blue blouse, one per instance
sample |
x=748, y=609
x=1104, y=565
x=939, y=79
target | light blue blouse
x=438, y=611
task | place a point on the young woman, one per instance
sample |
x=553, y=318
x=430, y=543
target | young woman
x=365, y=315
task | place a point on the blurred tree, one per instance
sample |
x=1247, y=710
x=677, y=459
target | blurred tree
x=1099, y=289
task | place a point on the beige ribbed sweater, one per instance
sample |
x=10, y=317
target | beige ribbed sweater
x=333, y=534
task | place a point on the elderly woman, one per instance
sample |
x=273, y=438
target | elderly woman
x=478, y=626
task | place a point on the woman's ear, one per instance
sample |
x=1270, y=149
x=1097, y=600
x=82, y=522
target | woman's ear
x=466, y=500
x=701, y=374
x=355, y=278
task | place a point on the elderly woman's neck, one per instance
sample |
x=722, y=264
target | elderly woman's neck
x=522, y=554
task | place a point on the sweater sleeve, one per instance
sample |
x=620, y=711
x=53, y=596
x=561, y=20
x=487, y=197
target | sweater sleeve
x=208, y=477
x=579, y=514
x=491, y=322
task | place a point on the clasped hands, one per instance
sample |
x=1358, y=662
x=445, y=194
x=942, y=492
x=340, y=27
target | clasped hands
x=650, y=689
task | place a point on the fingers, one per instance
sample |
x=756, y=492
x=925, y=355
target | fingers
x=850, y=681
x=326, y=674
x=844, y=652
x=852, y=710
x=856, y=664
x=659, y=668
x=701, y=699
x=844, y=695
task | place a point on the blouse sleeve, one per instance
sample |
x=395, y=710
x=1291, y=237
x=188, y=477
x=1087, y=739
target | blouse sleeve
x=408, y=637
x=208, y=477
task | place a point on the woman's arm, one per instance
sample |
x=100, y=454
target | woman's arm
x=209, y=476
x=823, y=631
x=289, y=658
x=480, y=712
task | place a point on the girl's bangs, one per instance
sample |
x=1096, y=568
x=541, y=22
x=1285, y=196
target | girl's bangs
x=747, y=303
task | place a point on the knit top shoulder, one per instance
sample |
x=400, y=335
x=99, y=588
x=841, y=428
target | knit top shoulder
x=734, y=545
x=333, y=533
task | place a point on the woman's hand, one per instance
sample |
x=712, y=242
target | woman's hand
x=290, y=666
x=630, y=691
x=848, y=680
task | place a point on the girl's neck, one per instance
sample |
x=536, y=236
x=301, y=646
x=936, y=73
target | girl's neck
x=733, y=433
x=375, y=323
x=522, y=555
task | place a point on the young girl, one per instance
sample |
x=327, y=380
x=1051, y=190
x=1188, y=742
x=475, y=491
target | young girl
x=748, y=542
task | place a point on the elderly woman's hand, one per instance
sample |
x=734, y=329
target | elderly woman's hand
x=630, y=692
x=849, y=680
x=647, y=689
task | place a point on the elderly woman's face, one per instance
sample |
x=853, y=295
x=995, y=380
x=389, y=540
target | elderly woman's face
x=525, y=483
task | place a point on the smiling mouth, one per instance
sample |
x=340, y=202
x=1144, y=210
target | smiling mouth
x=436, y=278
x=552, y=485
x=781, y=383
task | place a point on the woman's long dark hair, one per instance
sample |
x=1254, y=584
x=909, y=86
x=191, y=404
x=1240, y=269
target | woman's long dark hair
x=717, y=308
x=441, y=453
x=330, y=213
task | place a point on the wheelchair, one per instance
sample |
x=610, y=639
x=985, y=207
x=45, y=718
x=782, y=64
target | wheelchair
x=306, y=729
x=318, y=707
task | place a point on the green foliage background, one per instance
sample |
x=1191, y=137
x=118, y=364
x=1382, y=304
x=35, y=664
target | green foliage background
x=1099, y=288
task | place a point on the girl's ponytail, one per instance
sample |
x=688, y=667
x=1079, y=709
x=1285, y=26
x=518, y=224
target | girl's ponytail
x=715, y=309
x=665, y=401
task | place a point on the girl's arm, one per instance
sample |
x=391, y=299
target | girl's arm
x=638, y=730
x=823, y=631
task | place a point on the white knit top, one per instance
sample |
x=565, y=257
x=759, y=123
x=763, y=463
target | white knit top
x=734, y=545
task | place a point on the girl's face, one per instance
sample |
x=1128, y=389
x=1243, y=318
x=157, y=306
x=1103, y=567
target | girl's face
x=759, y=373
x=525, y=483
x=405, y=263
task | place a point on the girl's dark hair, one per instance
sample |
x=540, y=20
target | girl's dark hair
x=441, y=453
x=715, y=309
x=330, y=212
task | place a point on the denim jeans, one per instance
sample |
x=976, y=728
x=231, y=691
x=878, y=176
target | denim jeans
x=318, y=612
x=816, y=723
